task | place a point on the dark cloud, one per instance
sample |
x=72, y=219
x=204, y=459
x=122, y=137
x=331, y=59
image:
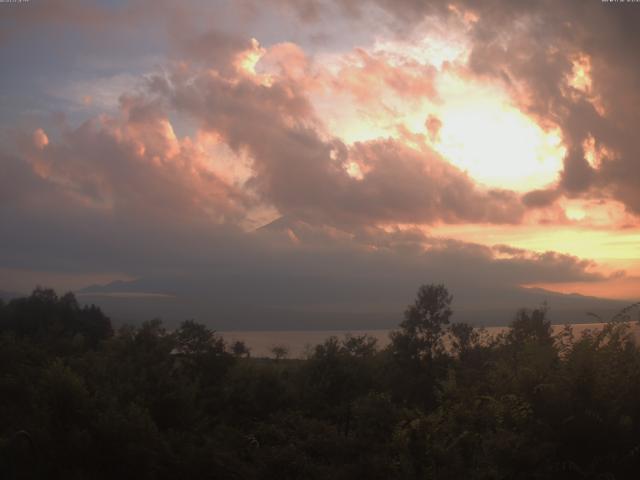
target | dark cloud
x=541, y=198
x=112, y=193
x=531, y=47
x=303, y=172
x=540, y=50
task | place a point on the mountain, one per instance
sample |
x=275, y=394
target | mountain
x=237, y=304
x=292, y=275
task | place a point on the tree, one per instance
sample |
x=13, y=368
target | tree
x=463, y=338
x=421, y=331
x=202, y=353
x=195, y=339
x=360, y=346
x=280, y=352
x=240, y=349
x=55, y=321
x=417, y=348
x=531, y=326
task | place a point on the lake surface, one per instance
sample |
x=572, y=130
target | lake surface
x=301, y=342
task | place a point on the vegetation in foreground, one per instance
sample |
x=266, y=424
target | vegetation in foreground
x=78, y=400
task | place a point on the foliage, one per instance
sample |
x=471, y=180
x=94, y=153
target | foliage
x=421, y=331
x=78, y=400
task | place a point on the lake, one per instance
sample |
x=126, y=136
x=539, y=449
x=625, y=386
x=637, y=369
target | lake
x=300, y=342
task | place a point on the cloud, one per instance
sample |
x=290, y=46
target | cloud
x=169, y=185
x=304, y=171
x=367, y=76
x=293, y=268
x=126, y=194
x=114, y=190
x=86, y=14
x=595, y=40
x=40, y=139
x=213, y=47
x=336, y=282
x=541, y=198
x=602, y=37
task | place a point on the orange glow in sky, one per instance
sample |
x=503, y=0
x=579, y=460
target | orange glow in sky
x=481, y=131
x=477, y=127
x=497, y=144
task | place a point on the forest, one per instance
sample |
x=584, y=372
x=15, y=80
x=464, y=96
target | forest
x=80, y=399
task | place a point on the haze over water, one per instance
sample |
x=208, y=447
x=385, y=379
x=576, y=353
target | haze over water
x=301, y=342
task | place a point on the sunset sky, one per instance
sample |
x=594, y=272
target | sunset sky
x=319, y=158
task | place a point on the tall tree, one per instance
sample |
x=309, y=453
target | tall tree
x=421, y=331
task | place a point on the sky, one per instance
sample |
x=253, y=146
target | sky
x=269, y=163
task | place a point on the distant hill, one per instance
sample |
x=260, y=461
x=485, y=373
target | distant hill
x=239, y=304
x=6, y=296
x=331, y=284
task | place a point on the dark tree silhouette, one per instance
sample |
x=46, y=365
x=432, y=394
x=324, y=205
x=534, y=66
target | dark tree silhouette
x=279, y=352
x=421, y=331
x=55, y=321
x=240, y=349
x=151, y=403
